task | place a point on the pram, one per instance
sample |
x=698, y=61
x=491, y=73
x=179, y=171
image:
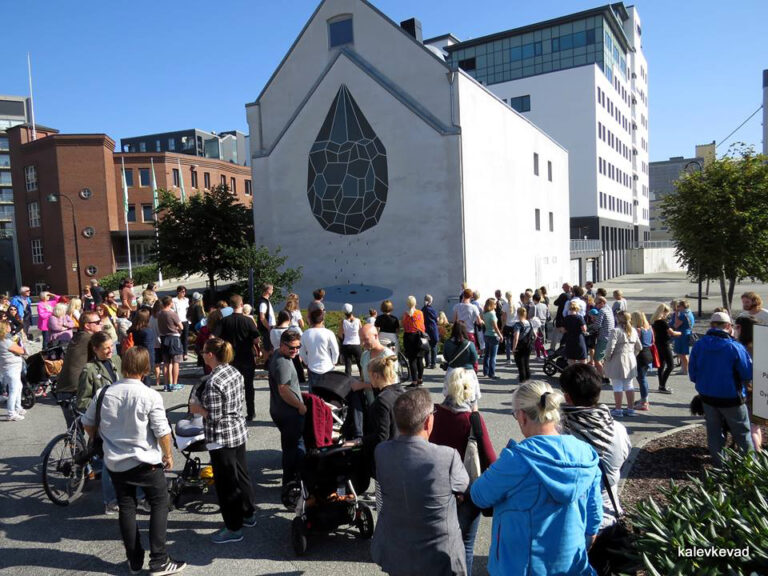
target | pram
x=556, y=362
x=189, y=439
x=332, y=474
x=42, y=369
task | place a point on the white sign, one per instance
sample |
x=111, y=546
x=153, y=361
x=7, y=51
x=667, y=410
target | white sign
x=760, y=373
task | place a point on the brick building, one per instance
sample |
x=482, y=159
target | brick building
x=85, y=171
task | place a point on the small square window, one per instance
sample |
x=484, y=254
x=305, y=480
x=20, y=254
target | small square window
x=142, y=146
x=536, y=164
x=147, y=214
x=340, y=32
x=129, y=177
x=171, y=144
x=194, y=178
x=248, y=191
x=549, y=170
x=233, y=186
x=176, y=179
x=207, y=180
x=131, y=212
x=144, y=177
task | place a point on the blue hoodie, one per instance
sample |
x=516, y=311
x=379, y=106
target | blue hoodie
x=545, y=493
x=719, y=367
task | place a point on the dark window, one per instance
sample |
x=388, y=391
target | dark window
x=223, y=180
x=129, y=177
x=194, y=178
x=233, y=186
x=549, y=171
x=176, y=179
x=591, y=36
x=248, y=191
x=142, y=146
x=131, y=212
x=528, y=51
x=144, y=180
x=538, y=219
x=536, y=166
x=521, y=103
x=206, y=180
x=551, y=221
x=147, y=213
x=340, y=32
x=158, y=147
x=468, y=64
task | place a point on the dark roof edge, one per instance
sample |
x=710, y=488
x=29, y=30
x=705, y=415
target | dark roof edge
x=436, y=38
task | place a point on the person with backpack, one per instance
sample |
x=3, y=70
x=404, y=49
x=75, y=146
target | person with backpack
x=522, y=343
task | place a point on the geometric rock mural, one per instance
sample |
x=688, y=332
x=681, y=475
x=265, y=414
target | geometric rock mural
x=347, y=179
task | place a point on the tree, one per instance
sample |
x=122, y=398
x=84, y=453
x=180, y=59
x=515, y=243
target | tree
x=267, y=268
x=197, y=236
x=719, y=220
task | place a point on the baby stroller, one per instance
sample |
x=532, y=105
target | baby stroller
x=556, y=362
x=332, y=475
x=189, y=439
x=41, y=371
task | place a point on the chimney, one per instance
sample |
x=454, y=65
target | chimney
x=413, y=27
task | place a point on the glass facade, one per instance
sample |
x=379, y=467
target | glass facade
x=560, y=47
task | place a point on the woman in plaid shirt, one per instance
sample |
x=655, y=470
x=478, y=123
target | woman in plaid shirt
x=225, y=433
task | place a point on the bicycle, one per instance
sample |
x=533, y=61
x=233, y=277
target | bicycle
x=65, y=460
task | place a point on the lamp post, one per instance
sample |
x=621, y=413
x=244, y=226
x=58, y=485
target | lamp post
x=55, y=198
x=689, y=168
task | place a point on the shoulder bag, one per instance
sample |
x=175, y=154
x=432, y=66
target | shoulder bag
x=449, y=364
x=95, y=443
x=472, y=453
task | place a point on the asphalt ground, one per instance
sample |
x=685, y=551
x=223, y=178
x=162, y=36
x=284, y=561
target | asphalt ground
x=40, y=538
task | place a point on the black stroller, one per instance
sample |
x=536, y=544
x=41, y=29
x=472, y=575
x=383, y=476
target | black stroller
x=332, y=475
x=40, y=375
x=556, y=362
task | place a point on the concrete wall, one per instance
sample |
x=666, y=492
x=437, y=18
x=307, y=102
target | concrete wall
x=502, y=193
x=653, y=260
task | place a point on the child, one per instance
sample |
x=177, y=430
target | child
x=371, y=315
x=123, y=324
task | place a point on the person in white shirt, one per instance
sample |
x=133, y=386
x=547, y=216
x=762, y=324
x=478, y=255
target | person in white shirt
x=349, y=332
x=753, y=308
x=181, y=307
x=578, y=293
x=319, y=348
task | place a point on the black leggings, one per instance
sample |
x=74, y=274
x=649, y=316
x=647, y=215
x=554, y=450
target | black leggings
x=351, y=353
x=412, y=346
x=522, y=361
x=667, y=364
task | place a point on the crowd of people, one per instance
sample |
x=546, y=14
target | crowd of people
x=434, y=467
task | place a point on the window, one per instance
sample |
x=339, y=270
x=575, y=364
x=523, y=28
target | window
x=144, y=180
x=129, y=177
x=194, y=178
x=551, y=221
x=30, y=174
x=176, y=177
x=147, y=213
x=142, y=146
x=132, y=213
x=37, y=251
x=89, y=231
x=4, y=143
x=538, y=219
x=233, y=186
x=171, y=144
x=206, y=180
x=536, y=164
x=224, y=180
x=340, y=32
x=5, y=178
x=521, y=103
x=549, y=170
x=158, y=147
x=468, y=64
x=91, y=271
x=248, y=191
x=5, y=161
x=33, y=209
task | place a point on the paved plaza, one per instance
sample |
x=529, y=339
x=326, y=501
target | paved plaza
x=37, y=537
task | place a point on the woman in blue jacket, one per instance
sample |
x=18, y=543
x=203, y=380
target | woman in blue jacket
x=545, y=493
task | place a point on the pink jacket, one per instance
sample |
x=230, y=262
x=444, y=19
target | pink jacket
x=45, y=311
x=61, y=328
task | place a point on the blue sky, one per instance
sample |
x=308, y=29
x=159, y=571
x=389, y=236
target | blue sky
x=168, y=65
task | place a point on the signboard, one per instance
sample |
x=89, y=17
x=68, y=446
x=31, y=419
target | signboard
x=760, y=373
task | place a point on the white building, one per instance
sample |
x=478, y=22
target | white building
x=383, y=173
x=584, y=80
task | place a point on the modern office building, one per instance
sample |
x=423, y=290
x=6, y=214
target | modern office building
x=583, y=79
x=14, y=110
x=231, y=146
x=81, y=234
x=384, y=171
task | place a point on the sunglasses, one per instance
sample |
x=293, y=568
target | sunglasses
x=292, y=348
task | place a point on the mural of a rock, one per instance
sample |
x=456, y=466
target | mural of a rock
x=347, y=179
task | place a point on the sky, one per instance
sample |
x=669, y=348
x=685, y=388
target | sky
x=149, y=66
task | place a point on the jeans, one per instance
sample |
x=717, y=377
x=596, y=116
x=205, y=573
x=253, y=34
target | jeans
x=351, y=353
x=45, y=338
x=313, y=379
x=489, y=359
x=469, y=522
x=248, y=372
x=152, y=479
x=292, y=443
x=509, y=337
x=642, y=379
x=737, y=420
x=432, y=354
x=522, y=361
x=12, y=379
x=667, y=364
x=233, y=485
x=185, y=337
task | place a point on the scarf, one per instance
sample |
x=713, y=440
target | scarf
x=454, y=407
x=593, y=425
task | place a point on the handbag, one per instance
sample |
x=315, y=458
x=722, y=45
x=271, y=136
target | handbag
x=424, y=342
x=95, y=443
x=655, y=360
x=445, y=365
x=472, y=452
x=614, y=550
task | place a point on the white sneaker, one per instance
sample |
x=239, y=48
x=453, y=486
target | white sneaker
x=15, y=417
x=22, y=412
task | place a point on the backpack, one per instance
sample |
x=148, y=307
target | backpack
x=527, y=339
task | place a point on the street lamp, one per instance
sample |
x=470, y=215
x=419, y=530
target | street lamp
x=55, y=198
x=689, y=169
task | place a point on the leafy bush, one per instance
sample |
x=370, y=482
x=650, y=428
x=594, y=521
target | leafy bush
x=142, y=275
x=717, y=525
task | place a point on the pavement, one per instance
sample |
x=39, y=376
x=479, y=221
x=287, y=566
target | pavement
x=40, y=538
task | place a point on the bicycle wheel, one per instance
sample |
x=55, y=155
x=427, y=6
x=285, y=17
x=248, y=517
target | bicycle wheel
x=405, y=372
x=63, y=479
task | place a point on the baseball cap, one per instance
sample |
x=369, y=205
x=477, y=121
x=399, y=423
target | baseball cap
x=347, y=308
x=721, y=317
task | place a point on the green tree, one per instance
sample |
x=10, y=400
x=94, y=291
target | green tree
x=719, y=220
x=197, y=236
x=268, y=268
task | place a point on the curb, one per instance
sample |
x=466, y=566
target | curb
x=630, y=461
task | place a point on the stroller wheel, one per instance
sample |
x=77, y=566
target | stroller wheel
x=549, y=368
x=299, y=536
x=364, y=521
x=27, y=398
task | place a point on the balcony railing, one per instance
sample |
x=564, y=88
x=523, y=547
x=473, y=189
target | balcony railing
x=581, y=246
x=653, y=244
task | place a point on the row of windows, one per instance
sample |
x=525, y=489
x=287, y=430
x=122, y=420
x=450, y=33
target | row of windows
x=613, y=110
x=614, y=204
x=536, y=166
x=645, y=190
x=623, y=92
x=613, y=172
x=644, y=167
x=645, y=213
x=613, y=141
x=145, y=180
x=147, y=213
x=520, y=103
x=186, y=143
x=537, y=216
x=644, y=144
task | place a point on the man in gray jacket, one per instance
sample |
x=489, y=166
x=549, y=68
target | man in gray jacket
x=418, y=529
